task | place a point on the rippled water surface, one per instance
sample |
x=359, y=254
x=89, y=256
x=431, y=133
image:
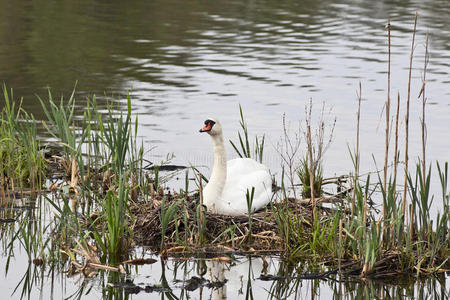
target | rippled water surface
x=187, y=60
x=184, y=61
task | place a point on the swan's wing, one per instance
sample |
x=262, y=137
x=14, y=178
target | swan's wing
x=242, y=175
x=244, y=166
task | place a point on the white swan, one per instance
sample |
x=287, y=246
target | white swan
x=226, y=190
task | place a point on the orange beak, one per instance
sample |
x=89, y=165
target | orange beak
x=206, y=128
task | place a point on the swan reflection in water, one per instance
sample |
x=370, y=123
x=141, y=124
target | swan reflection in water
x=238, y=278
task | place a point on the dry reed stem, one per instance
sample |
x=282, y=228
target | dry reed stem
x=2, y=184
x=74, y=170
x=388, y=111
x=423, y=127
x=424, y=100
x=152, y=191
x=386, y=145
x=288, y=153
x=405, y=186
x=396, y=136
x=358, y=118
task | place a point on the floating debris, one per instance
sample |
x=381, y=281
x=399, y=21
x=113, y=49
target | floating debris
x=7, y=220
x=131, y=288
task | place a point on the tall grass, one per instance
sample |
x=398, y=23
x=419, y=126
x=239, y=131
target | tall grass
x=118, y=235
x=304, y=174
x=249, y=195
x=167, y=215
x=101, y=158
x=22, y=163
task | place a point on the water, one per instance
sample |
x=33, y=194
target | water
x=184, y=61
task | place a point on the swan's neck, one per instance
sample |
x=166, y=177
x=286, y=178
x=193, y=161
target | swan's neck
x=219, y=172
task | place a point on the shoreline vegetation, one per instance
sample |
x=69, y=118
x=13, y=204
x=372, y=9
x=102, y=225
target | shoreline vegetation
x=100, y=198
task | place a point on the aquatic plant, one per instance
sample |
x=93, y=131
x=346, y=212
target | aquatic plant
x=304, y=175
x=22, y=162
x=167, y=215
x=244, y=142
x=62, y=128
x=249, y=197
x=112, y=154
x=117, y=234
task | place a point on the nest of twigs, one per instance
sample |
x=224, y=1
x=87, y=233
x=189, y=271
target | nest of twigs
x=220, y=231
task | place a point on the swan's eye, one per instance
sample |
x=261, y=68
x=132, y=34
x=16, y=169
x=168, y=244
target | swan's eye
x=210, y=123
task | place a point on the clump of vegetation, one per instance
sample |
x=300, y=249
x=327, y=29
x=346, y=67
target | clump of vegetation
x=107, y=179
x=22, y=162
x=304, y=175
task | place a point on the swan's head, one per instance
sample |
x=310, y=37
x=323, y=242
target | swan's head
x=212, y=127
